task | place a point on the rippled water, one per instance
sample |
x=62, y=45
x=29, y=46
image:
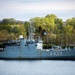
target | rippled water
x=37, y=67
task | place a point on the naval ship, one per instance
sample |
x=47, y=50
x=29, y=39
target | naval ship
x=31, y=48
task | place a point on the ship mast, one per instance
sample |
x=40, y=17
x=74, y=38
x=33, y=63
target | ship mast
x=31, y=31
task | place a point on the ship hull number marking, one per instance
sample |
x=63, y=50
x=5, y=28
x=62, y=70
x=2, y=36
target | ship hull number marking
x=56, y=53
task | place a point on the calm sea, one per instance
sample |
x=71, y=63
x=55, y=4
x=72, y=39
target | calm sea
x=37, y=67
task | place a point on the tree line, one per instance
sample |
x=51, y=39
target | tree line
x=50, y=28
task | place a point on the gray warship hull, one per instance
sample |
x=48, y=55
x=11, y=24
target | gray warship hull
x=31, y=52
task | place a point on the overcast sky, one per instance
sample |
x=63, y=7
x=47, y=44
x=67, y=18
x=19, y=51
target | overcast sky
x=27, y=9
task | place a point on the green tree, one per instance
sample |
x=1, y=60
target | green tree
x=8, y=21
x=71, y=22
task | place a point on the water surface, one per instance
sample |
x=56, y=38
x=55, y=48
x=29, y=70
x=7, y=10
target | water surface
x=37, y=67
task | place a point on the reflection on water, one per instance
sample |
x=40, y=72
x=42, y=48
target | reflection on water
x=37, y=67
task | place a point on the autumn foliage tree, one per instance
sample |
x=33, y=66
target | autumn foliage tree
x=56, y=32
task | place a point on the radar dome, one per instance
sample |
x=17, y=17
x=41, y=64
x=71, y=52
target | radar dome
x=21, y=37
